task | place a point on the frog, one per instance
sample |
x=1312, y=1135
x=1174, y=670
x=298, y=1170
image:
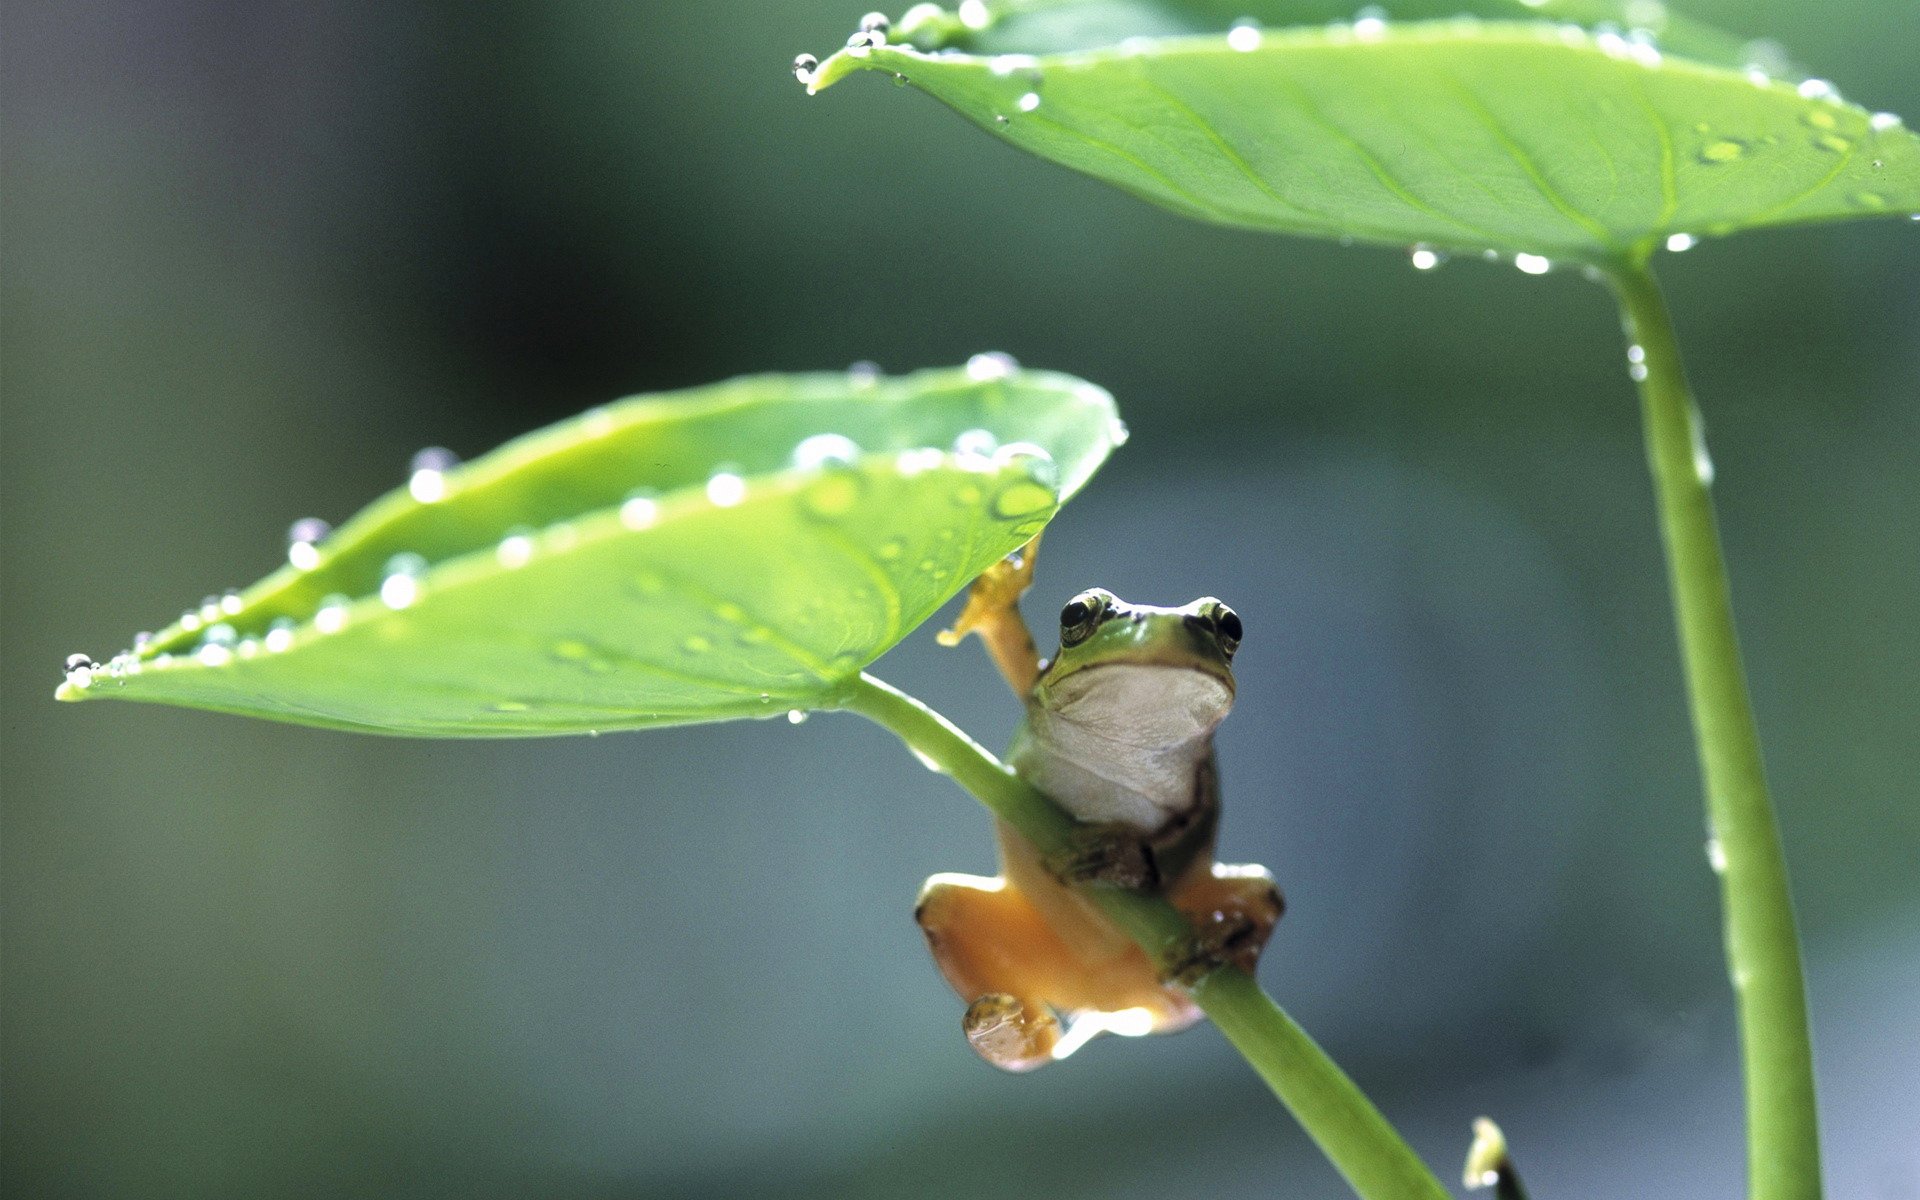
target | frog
x=1118, y=730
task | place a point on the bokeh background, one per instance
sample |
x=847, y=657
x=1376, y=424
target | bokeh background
x=256, y=255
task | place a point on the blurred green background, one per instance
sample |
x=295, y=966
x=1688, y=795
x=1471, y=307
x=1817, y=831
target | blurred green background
x=256, y=255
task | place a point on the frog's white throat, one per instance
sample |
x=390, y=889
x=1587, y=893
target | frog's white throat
x=1123, y=741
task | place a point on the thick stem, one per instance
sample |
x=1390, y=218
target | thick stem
x=1763, y=949
x=1347, y=1127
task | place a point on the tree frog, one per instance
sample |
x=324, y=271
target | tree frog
x=1118, y=731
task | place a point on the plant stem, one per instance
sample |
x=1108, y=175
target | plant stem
x=1762, y=947
x=1349, y=1130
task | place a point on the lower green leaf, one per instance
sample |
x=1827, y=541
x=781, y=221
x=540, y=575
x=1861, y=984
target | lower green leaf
x=737, y=551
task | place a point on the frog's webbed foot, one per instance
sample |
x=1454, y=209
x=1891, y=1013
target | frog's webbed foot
x=1233, y=910
x=1013, y=1034
x=993, y=612
x=1112, y=853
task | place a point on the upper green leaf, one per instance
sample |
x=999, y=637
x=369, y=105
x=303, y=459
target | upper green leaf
x=739, y=550
x=1530, y=138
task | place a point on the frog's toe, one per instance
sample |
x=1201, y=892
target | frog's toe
x=1233, y=910
x=1011, y=1033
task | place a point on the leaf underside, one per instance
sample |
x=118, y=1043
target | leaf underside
x=1516, y=137
x=657, y=561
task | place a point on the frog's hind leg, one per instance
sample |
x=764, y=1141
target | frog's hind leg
x=993, y=612
x=998, y=954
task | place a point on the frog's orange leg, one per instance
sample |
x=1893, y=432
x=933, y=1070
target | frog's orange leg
x=1233, y=910
x=993, y=612
x=1016, y=972
x=993, y=948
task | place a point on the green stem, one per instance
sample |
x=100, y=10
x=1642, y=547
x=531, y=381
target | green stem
x=1347, y=1127
x=1762, y=947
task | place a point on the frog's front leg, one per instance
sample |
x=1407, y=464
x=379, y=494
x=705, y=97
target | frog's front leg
x=993, y=612
x=1233, y=910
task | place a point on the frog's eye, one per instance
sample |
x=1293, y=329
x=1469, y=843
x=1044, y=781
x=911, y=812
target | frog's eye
x=1226, y=623
x=1083, y=615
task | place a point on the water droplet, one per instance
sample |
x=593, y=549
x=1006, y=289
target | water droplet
x=230, y=602
x=834, y=494
x=1722, y=150
x=142, y=640
x=725, y=487
x=516, y=549
x=1636, y=353
x=279, y=634
x=1028, y=102
x=1370, y=23
x=797, y=716
x=222, y=634
x=974, y=14
x=999, y=119
x=696, y=645
x=400, y=580
x=975, y=447
x=825, y=449
x=428, y=481
x=1680, y=242
x=1881, y=122
x=511, y=706
x=991, y=365
x=863, y=43
x=213, y=654
x=1022, y=498
x=560, y=538
x=804, y=65
x=1033, y=460
x=302, y=536
x=1425, y=259
x=248, y=648
x=1702, y=461
x=1833, y=142
x=639, y=510
x=1244, y=37
x=1716, y=856
x=875, y=20
x=1870, y=200
x=914, y=462
x=189, y=622
x=863, y=374
x=76, y=661
x=1821, y=118
x=596, y=421
x=1817, y=89
x=1533, y=264
x=1117, y=432
x=1637, y=372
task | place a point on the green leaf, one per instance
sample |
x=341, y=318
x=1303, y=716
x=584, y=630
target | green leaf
x=1530, y=138
x=1057, y=26
x=734, y=551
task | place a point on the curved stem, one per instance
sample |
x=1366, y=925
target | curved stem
x=1762, y=946
x=1347, y=1127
